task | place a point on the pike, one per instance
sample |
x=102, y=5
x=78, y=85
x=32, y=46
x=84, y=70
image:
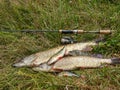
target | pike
x=48, y=55
x=72, y=63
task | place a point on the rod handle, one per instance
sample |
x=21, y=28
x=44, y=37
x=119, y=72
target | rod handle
x=105, y=31
x=71, y=31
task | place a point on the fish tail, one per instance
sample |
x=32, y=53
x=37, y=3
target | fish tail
x=115, y=61
x=111, y=61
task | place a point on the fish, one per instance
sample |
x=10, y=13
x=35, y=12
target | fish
x=77, y=62
x=44, y=56
x=71, y=63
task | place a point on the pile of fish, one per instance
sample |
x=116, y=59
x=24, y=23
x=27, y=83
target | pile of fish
x=65, y=58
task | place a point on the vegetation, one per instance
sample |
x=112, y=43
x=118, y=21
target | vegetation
x=55, y=15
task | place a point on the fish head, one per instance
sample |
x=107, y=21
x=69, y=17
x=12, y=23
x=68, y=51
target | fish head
x=43, y=67
x=27, y=61
x=19, y=64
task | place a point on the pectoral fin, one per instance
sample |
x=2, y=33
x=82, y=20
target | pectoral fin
x=67, y=74
x=57, y=56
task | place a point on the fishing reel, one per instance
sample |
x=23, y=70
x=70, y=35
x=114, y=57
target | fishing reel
x=67, y=40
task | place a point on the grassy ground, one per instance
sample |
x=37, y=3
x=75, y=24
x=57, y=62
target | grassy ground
x=56, y=14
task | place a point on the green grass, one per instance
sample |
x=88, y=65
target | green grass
x=55, y=15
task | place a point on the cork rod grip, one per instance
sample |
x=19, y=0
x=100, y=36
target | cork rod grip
x=105, y=31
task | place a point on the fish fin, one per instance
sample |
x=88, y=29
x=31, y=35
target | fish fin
x=60, y=50
x=49, y=62
x=115, y=61
x=67, y=74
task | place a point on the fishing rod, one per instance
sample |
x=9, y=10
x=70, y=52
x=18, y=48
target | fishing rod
x=64, y=31
x=64, y=39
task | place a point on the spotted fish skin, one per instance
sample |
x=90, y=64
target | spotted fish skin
x=71, y=63
x=44, y=56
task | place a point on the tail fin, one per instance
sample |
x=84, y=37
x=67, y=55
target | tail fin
x=115, y=60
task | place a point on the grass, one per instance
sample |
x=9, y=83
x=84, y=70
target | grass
x=55, y=15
